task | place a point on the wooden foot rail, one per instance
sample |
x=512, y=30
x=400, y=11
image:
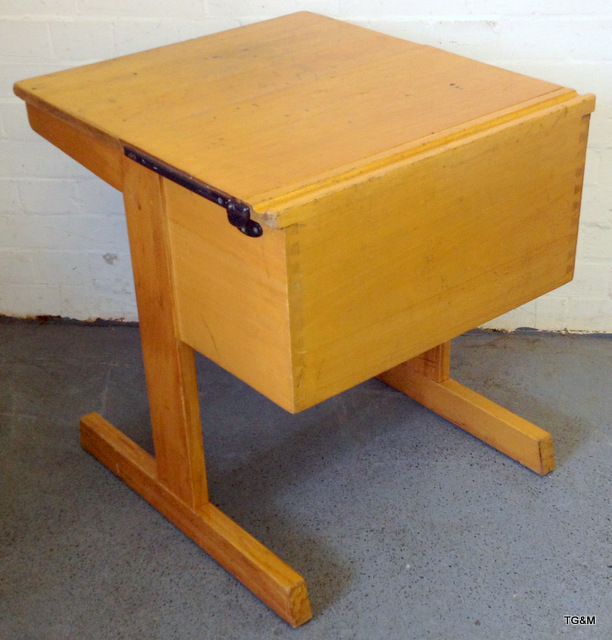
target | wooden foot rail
x=427, y=380
x=268, y=577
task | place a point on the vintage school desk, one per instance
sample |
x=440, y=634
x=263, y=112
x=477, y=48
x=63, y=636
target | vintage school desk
x=311, y=204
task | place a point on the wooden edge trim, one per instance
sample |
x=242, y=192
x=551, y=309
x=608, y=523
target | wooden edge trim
x=505, y=431
x=33, y=100
x=279, y=210
x=268, y=577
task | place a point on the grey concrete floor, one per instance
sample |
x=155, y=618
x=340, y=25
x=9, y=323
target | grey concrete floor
x=404, y=526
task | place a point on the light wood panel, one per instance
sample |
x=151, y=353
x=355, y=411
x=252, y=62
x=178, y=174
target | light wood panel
x=282, y=207
x=277, y=104
x=416, y=254
x=231, y=294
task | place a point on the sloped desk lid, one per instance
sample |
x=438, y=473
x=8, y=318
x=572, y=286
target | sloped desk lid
x=281, y=107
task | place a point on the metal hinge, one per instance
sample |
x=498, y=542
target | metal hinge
x=238, y=212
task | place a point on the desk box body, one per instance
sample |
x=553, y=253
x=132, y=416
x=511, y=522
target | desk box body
x=406, y=194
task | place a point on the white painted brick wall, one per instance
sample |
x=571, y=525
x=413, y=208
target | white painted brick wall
x=63, y=242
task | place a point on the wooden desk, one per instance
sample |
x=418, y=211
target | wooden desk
x=311, y=204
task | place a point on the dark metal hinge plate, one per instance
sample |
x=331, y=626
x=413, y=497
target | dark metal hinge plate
x=238, y=212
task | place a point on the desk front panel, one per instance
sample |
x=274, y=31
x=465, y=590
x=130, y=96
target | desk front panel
x=382, y=269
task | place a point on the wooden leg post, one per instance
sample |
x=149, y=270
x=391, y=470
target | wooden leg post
x=174, y=482
x=426, y=379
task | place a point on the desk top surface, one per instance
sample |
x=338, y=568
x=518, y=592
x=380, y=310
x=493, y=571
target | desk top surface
x=269, y=109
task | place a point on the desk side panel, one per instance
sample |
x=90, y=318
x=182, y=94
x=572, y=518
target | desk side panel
x=100, y=154
x=412, y=257
x=231, y=294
